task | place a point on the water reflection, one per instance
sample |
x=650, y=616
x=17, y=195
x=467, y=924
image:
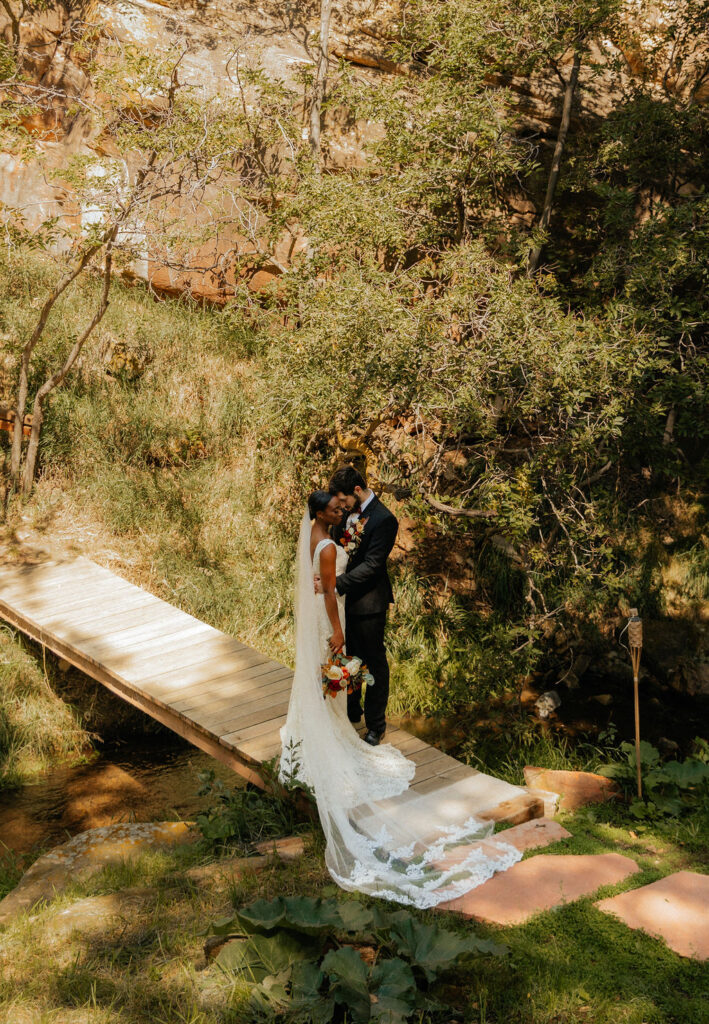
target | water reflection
x=127, y=782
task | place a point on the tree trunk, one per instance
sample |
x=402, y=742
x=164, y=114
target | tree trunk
x=14, y=24
x=23, y=383
x=320, y=80
x=569, y=93
x=56, y=379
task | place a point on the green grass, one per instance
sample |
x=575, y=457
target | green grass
x=37, y=729
x=574, y=965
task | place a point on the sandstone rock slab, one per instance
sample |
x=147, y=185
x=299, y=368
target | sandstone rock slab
x=289, y=848
x=550, y=801
x=534, y=834
x=88, y=852
x=92, y=917
x=675, y=909
x=530, y=835
x=512, y=812
x=541, y=883
x=575, y=789
x=226, y=870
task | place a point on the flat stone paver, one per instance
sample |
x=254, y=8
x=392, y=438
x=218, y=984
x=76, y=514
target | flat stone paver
x=541, y=883
x=533, y=835
x=675, y=909
x=530, y=835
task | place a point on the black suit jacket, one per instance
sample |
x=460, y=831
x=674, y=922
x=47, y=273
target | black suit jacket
x=365, y=583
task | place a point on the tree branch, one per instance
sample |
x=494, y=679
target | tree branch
x=449, y=510
x=556, y=161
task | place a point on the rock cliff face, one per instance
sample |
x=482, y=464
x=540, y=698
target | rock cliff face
x=281, y=37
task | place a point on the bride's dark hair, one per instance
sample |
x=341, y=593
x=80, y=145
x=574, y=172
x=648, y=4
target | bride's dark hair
x=317, y=502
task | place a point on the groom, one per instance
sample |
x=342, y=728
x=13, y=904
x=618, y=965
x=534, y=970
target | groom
x=367, y=590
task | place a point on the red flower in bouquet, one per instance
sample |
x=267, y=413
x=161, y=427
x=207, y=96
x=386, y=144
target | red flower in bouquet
x=341, y=672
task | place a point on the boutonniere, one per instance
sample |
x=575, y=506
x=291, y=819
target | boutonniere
x=352, y=537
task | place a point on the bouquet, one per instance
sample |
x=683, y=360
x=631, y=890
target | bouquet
x=341, y=672
x=352, y=537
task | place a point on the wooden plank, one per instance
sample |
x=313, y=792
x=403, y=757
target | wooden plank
x=14, y=574
x=48, y=599
x=458, y=772
x=409, y=745
x=422, y=757
x=220, y=703
x=223, y=711
x=262, y=748
x=67, y=593
x=223, y=699
x=59, y=612
x=167, y=622
x=122, y=651
x=431, y=785
x=85, y=627
x=120, y=598
x=215, y=671
x=278, y=709
x=431, y=768
x=181, y=655
x=250, y=732
x=218, y=664
x=47, y=578
x=170, y=689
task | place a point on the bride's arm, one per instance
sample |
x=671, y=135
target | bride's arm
x=327, y=578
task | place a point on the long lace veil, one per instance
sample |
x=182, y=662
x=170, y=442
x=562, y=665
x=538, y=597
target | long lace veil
x=383, y=837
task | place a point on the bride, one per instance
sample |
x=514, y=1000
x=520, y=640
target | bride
x=383, y=837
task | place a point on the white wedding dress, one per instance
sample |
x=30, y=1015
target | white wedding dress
x=383, y=838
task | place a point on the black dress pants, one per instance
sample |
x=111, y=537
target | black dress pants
x=365, y=640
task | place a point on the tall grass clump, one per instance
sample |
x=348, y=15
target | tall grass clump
x=37, y=729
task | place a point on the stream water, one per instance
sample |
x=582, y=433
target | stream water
x=131, y=781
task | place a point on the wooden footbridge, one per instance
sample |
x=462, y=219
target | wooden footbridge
x=224, y=697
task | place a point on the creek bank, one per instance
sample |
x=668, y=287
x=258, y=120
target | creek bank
x=87, y=853
x=136, y=779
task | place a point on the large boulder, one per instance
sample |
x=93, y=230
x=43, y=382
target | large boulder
x=575, y=789
x=89, y=852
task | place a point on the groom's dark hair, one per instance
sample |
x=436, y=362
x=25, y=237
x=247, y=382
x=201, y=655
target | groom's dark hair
x=345, y=479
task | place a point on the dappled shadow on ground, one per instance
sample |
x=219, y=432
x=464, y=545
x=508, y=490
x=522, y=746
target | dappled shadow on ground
x=576, y=964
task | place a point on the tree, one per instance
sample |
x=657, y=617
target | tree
x=320, y=80
x=162, y=153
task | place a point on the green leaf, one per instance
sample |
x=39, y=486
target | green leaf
x=687, y=773
x=258, y=956
x=671, y=805
x=311, y=915
x=349, y=978
x=263, y=915
x=649, y=755
x=224, y=926
x=306, y=914
x=306, y=980
x=354, y=917
x=434, y=949
x=273, y=990
x=394, y=986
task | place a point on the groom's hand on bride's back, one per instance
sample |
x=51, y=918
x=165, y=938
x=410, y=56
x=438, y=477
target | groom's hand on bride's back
x=317, y=585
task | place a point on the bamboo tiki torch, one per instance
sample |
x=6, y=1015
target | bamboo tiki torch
x=635, y=642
